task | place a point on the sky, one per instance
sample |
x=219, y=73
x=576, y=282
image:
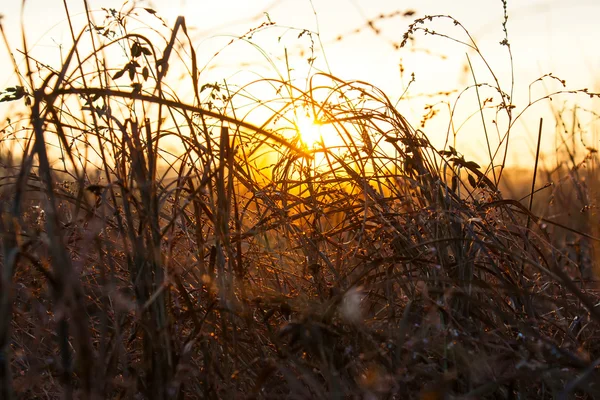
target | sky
x=545, y=35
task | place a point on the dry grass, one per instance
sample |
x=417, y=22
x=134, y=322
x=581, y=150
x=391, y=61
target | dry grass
x=158, y=248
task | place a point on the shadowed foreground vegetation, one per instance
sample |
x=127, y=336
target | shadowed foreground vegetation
x=158, y=247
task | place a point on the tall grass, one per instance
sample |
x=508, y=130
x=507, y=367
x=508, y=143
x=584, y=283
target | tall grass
x=162, y=246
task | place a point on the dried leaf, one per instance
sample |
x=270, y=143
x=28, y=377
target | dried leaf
x=118, y=74
x=471, y=165
x=136, y=50
x=472, y=180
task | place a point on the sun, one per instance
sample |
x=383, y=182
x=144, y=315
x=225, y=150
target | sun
x=309, y=130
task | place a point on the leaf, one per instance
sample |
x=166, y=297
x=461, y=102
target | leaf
x=471, y=165
x=414, y=142
x=150, y=11
x=131, y=68
x=146, y=51
x=145, y=73
x=118, y=74
x=472, y=181
x=136, y=50
x=137, y=87
x=13, y=93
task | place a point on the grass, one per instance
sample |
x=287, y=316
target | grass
x=156, y=246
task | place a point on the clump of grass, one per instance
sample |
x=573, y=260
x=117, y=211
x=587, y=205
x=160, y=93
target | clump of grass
x=165, y=246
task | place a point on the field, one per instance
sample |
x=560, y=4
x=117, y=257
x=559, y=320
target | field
x=282, y=240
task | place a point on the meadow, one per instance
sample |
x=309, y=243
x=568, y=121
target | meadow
x=282, y=240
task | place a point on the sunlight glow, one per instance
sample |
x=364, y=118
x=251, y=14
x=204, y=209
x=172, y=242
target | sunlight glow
x=309, y=130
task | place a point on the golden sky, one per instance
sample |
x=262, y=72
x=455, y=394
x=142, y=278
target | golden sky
x=545, y=35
